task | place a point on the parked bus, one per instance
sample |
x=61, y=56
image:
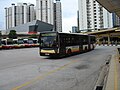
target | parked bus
x=35, y=40
x=4, y=41
x=7, y=43
x=59, y=44
x=18, y=43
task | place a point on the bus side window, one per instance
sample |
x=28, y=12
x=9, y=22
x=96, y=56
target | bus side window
x=41, y=42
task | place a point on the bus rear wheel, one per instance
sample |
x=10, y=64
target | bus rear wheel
x=69, y=52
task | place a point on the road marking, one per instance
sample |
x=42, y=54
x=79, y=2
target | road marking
x=116, y=76
x=43, y=76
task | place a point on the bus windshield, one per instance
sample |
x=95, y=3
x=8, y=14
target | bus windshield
x=48, y=40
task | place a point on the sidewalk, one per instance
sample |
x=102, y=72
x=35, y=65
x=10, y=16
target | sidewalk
x=113, y=80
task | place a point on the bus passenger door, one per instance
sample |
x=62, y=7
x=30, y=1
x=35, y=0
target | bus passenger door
x=62, y=48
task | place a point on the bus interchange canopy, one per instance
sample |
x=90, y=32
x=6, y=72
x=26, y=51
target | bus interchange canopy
x=108, y=35
x=111, y=5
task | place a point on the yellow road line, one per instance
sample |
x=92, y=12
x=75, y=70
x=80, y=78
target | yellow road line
x=43, y=76
x=116, y=76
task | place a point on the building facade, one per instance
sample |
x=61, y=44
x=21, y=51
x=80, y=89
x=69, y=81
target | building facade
x=19, y=14
x=92, y=16
x=116, y=20
x=50, y=12
x=74, y=29
x=44, y=10
x=57, y=16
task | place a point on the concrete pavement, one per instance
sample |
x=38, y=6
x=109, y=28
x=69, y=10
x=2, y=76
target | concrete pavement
x=21, y=67
x=113, y=79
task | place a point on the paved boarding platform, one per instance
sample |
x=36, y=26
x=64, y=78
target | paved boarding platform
x=113, y=80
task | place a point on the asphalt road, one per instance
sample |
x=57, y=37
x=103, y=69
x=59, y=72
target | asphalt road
x=24, y=69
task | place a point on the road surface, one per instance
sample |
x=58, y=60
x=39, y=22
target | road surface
x=24, y=69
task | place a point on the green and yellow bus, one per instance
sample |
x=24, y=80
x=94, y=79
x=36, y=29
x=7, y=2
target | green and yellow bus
x=60, y=44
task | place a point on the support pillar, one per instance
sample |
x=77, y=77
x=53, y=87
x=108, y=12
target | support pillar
x=98, y=40
x=108, y=39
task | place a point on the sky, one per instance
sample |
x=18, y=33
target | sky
x=69, y=12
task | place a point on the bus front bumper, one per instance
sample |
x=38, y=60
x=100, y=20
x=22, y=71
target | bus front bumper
x=47, y=52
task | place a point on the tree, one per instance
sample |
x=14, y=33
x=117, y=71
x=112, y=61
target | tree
x=12, y=34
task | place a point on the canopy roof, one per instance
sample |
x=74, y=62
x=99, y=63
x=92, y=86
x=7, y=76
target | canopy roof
x=111, y=5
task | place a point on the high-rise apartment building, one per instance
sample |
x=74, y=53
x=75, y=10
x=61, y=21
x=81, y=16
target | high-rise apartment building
x=57, y=16
x=93, y=16
x=74, y=29
x=44, y=10
x=50, y=12
x=116, y=20
x=19, y=14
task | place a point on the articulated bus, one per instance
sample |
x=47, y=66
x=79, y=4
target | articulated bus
x=61, y=44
